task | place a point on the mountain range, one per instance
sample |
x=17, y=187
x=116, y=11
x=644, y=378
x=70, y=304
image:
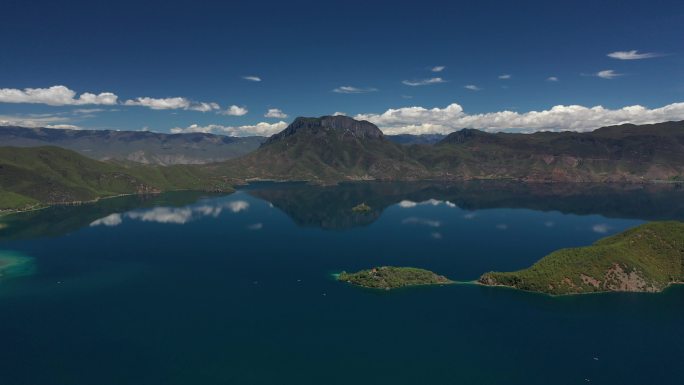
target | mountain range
x=135, y=146
x=333, y=149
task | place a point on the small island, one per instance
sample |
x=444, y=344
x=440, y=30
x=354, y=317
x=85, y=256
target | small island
x=361, y=208
x=647, y=258
x=389, y=277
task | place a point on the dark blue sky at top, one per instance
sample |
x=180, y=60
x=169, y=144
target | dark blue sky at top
x=302, y=50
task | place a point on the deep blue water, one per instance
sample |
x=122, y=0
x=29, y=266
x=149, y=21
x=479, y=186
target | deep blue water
x=237, y=289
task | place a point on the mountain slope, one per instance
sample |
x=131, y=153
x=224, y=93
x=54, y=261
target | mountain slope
x=325, y=149
x=46, y=175
x=137, y=146
x=647, y=258
x=625, y=153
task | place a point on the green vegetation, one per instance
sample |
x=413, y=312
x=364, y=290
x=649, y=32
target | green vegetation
x=39, y=176
x=647, y=258
x=361, y=208
x=388, y=277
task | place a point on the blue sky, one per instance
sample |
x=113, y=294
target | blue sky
x=200, y=52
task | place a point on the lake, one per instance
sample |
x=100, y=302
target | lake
x=194, y=288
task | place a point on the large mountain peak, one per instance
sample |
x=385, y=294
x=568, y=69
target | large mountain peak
x=342, y=126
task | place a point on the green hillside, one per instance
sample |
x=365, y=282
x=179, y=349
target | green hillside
x=647, y=258
x=31, y=177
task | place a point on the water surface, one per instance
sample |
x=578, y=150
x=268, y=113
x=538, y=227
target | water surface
x=191, y=288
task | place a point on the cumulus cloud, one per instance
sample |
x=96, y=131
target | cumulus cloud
x=160, y=104
x=252, y=78
x=421, y=120
x=505, y=76
x=632, y=55
x=353, y=90
x=472, y=87
x=423, y=82
x=275, y=113
x=438, y=68
x=552, y=79
x=259, y=129
x=234, y=111
x=55, y=96
x=175, y=103
x=608, y=74
x=338, y=113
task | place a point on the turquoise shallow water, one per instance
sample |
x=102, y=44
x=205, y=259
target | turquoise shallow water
x=237, y=289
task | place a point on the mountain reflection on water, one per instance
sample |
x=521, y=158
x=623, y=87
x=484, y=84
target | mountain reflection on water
x=330, y=207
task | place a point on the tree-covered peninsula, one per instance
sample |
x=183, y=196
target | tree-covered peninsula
x=647, y=258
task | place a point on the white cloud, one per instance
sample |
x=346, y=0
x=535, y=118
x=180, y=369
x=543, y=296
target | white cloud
x=423, y=82
x=275, y=113
x=252, y=78
x=552, y=79
x=160, y=104
x=63, y=126
x=438, y=68
x=608, y=74
x=55, y=96
x=175, y=103
x=110, y=220
x=421, y=221
x=235, y=111
x=259, y=129
x=505, y=77
x=32, y=120
x=353, y=90
x=338, y=113
x=632, y=55
x=204, y=107
x=420, y=120
x=472, y=87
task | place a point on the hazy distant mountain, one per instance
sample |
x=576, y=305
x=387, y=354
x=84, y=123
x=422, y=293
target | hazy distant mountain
x=137, y=146
x=409, y=139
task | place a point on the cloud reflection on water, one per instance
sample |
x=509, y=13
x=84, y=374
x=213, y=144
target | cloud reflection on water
x=173, y=215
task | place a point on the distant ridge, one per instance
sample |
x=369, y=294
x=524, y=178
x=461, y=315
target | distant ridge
x=136, y=146
x=330, y=149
